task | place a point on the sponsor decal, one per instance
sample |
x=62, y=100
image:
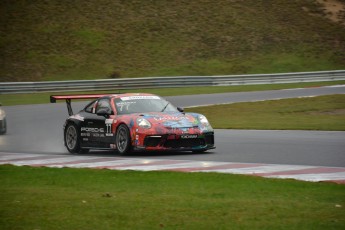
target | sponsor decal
x=112, y=146
x=131, y=123
x=204, y=128
x=124, y=105
x=108, y=121
x=189, y=136
x=85, y=135
x=92, y=130
x=137, y=142
x=170, y=118
x=139, y=98
x=181, y=124
x=108, y=124
x=184, y=130
x=109, y=134
x=85, y=139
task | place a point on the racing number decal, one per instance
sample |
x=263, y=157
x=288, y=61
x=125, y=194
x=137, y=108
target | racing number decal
x=108, y=125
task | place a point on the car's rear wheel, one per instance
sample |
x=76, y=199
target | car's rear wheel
x=123, y=140
x=72, y=138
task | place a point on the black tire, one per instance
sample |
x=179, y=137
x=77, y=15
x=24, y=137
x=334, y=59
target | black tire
x=84, y=151
x=199, y=151
x=72, y=138
x=123, y=140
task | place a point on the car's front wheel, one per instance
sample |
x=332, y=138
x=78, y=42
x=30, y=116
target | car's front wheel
x=72, y=137
x=199, y=151
x=123, y=140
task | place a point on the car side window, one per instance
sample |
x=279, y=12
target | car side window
x=89, y=107
x=104, y=104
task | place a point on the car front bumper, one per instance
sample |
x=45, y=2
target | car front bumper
x=175, y=142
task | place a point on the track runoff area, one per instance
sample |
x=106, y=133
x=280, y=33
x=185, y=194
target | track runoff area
x=298, y=172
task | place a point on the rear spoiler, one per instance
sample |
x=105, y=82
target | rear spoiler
x=68, y=98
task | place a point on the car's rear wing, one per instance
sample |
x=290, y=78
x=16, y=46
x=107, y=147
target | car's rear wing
x=68, y=99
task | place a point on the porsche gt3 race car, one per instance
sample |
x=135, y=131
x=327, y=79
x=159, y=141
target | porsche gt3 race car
x=134, y=122
x=3, y=128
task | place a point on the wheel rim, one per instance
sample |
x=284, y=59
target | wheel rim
x=122, y=139
x=71, y=137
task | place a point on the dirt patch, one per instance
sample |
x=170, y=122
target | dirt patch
x=334, y=10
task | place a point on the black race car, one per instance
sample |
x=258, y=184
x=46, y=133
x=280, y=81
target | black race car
x=3, y=123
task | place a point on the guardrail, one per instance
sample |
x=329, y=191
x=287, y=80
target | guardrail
x=163, y=82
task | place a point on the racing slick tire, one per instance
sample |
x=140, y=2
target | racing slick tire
x=123, y=140
x=72, y=139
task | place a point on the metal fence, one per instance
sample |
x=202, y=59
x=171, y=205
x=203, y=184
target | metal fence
x=164, y=82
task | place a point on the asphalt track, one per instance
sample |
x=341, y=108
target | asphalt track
x=38, y=129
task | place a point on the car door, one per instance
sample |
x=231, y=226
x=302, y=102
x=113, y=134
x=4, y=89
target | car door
x=104, y=121
x=89, y=130
x=96, y=130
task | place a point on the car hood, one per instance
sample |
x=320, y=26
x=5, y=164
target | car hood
x=172, y=120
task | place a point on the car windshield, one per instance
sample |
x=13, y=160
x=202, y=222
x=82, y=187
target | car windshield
x=142, y=104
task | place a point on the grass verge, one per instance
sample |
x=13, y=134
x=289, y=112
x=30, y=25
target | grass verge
x=317, y=113
x=41, y=98
x=48, y=198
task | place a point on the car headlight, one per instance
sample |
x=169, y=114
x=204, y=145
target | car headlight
x=203, y=120
x=143, y=123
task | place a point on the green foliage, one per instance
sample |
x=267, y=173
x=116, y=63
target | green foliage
x=60, y=40
x=90, y=37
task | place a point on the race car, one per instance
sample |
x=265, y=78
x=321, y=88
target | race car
x=3, y=124
x=134, y=122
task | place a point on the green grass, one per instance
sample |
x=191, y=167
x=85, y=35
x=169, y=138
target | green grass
x=317, y=113
x=41, y=98
x=62, y=40
x=47, y=198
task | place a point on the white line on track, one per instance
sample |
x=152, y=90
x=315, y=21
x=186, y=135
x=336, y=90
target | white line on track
x=298, y=172
x=315, y=177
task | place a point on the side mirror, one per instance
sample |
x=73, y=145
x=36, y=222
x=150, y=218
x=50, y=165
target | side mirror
x=180, y=109
x=103, y=112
